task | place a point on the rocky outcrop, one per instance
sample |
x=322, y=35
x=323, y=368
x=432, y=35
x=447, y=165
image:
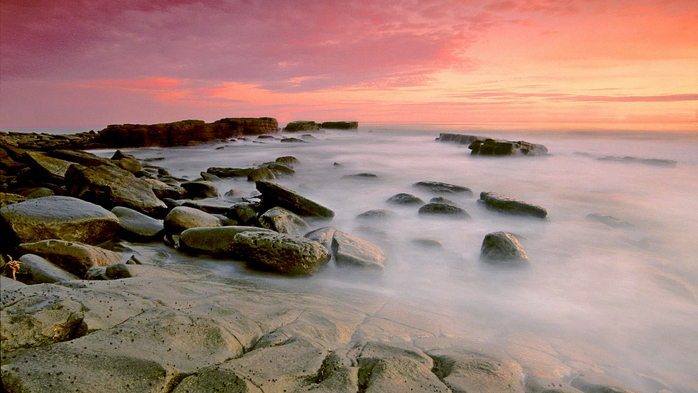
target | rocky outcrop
x=281, y=253
x=301, y=126
x=637, y=160
x=352, y=251
x=75, y=258
x=340, y=125
x=494, y=147
x=502, y=247
x=511, y=205
x=443, y=188
x=58, y=217
x=276, y=195
x=183, y=133
x=459, y=138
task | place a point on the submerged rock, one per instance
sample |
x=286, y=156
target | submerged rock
x=229, y=172
x=289, y=161
x=506, y=204
x=261, y=174
x=276, y=195
x=376, y=214
x=637, y=160
x=352, y=251
x=282, y=253
x=609, y=220
x=75, y=258
x=502, y=247
x=283, y=221
x=443, y=209
x=501, y=147
x=405, y=199
x=443, y=188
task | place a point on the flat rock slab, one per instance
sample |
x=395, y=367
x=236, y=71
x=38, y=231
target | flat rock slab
x=73, y=257
x=352, y=251
x=276, y=195
x=136, y=225
x=282, y=253
x=511, y=205
x=443, y=188
x=502, y=247
x=59, y=217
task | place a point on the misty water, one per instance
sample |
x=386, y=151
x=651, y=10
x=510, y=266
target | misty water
x=629, y=291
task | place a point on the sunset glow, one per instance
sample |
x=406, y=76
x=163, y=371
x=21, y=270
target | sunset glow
x=534, y=64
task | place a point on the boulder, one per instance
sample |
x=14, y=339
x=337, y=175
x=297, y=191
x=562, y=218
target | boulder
x=8, y=284
x=209, y=205
x=340, y=125
x=459, y=138
x=352, y=251
x=75, y=258
x=37, y=270
x=283, y=221
x=229, y=172
x=443, y=188
x=166, y=191
x=261, y=174
x=181, y=218
x=405, y=199
x=444, y=210
x=279, y=169
x=81, y=157
x=126, y=161
x=8, y=164
x=443, y=200
x=301, y=126
x=244, y=213
x=39, y=192
x=507, y=204
x=49, y=167
x=137, y=226
x=59, y=217
x=502, y=247
x=117, y=271
x=200, y=189
x=213, y=241
x=276, y=195
x=289, y=161
x=494, y=147
x=323, y=236
x=9, y=198
x=282, y=253
x=376, y=214
x=111, y=186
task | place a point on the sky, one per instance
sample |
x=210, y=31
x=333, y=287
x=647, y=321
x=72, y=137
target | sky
x=501, y=64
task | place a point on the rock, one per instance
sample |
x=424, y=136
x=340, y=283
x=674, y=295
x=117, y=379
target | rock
x=261, y=174
x=591, y=382
x=308, y=137
x=49, y=167
x=609, y=220
x=229, y=172
x=136, y=225
x=301, y=126
x=276, y=195
x=8, y=284
x=351, y=251
x=172, y=192
x=340, y=125
x=293, y=140
x=39, y=192
x=636, y=160
x=234, y=195
x=243, y=212
x=427, y=243
x=8, y=164
x=443, y=188
x=126, y=161
x=279, y=169
x=96, y=273
x=209, y=205
x=59, y=217
x=511, y=205
x=323, y=236
x=37, y=270
x=283, y=221
x=117, y=271
x=361, y=176
x=213, y=241
x=8, y=199
x=81, y=157
x=469, y=371
x=376, y=214
x=215, y=380
x=405, y=199
x=282, y=253
x=209, y=177
x=200, y=189
x=111, y=186
x=443, y=209
x=181, y=218
x=289, y=161
x=501, y=147
x=502, y=247
x=459, y=138
x=75, y=258
x=443, y=200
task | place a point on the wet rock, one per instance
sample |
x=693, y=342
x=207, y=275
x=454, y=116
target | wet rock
x=279, y=169
x=38, y=270
x=39, y=192
x=276, y=195
x=49, y=167
x=244, y=213
x=376, y=214
x=229, y=172
x=126, y=161
x=443, y=188
x=213, y=241
x=609, y=220
x=289, y=161
x=282, y=253
x=511, y=205
x=501, y=147
x=323, y=236
x=352, y=251
x=9, y=198
x=283, y=221
x=209, y=205
x=301, y=126
x=59, y=217
x=443, y=200
x=261, y=174
x=502, y=247
x=340, y=125
x=73, y=257
x=234, y=195
x=293, y=140
x=361, y=176
x=443, y=210
x=111, y=186
x=181, y=218
x=405, y=199
x=117, y=271
x=209, y=177
x=172, y=192
x=200, y=189
x=468, y=371
x=81, y=157
x=136, y=225
x=459, y=138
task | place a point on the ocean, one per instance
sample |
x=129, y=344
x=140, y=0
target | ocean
x=625, y=292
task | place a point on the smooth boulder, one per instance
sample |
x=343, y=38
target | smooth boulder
x=276, y=195
x=443, y=188
x=376, y=214
x=213, y=241
x=73, y=257
x=200, y=189
x=37, y=270
x=282, y=253
x=352, y=251
x=443, y=210
x=511, y=205
x=59, y=217
x=181, y=218
x=283, y=221
x=136, y=225
x=405, y=199
x=502, y=247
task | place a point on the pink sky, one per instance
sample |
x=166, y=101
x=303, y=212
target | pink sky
x=535, y=64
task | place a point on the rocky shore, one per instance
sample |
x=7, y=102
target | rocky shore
x=89, y=301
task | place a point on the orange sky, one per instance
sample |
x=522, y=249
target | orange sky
x=533, y=64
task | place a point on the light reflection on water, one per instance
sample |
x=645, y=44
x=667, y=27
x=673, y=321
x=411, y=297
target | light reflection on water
x=630, y=290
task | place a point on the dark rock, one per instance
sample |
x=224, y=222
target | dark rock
x=209, y=205
x=511, y=205
x=502, y=247
x=301, y=126
x=136, y=225
x=443, y=188
x=200, y=189
x=282, y=253
x=243, y=212
x=352, y=251
x=276, y=195
x=39, y=192
x=213, y=241
x=283, y=221
x=209, y=177
x=361, y=176
x=172, y=192
x=81, y=157
x=48, y=167
x=76, y=258
x=9, y=198
x=117, y=271
x=293, y=140
x=126, y=161
x=8, y=164
x=323, y=236
x=308, y=137
x=96, y=273
x=181, y=218
x=405, y=199
x=59, y=217
x=234, y=194
x=37, y=270
x=376, y=214
x=443, y=200
x=229, y=172
x=111, y=186
x=340, y=125
x=443, y=209
x=636, y=160
x=609, y=220
x=498, y=147
x=279, y=169
x=459, y=138
x=261, y=174
x=289, y=161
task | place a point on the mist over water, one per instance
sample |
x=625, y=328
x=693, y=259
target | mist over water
x=631, y=292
